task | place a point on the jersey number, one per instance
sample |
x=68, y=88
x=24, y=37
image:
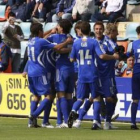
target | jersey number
x=86, y=57
x=32, y=55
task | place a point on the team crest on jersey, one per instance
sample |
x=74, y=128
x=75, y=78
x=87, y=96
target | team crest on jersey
x=84, y=44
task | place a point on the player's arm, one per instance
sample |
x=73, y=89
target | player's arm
x=101, y=52
x=115, y=56
x=58, y=47
x=64, y=50
x=73, y=54
x=50, y=32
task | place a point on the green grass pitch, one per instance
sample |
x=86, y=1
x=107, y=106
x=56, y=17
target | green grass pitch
x=16, y=129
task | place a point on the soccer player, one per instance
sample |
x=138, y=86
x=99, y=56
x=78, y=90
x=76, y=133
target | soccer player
x=64, y=73
x=98, y=30
x=106, y=58
x=83, y=50
x=37, y=71
x=135, y=80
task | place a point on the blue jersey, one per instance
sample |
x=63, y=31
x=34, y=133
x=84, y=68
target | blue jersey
x=106, y=68
x=84, y=50
x=136, y=51
x=75, y=63
x=62, y=60
x=50, y=60
x=36, y=52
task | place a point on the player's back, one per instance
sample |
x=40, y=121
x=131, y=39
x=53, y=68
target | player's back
x=136, y=51
x=84, y=52
x=36, y=54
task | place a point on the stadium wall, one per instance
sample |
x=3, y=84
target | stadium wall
x=15, y=98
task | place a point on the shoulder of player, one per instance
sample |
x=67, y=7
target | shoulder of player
x=136, y=42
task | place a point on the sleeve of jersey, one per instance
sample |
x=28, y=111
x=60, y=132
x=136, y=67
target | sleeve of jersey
x=50, y=38
x=48, y=45
x=73, y=52
x=99, y=49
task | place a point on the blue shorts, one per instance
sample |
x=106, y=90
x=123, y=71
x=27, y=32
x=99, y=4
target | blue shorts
x=108, y=87
x=136, y=86
x=65, y=81
x=39, y=85
x=84, y=89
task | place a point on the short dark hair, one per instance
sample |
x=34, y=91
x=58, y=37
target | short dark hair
x=66, y=25
x=138, y=30
x=77, y=26
x=35, y=28
x=85, y=28
x=11, y=14
x=99, y=23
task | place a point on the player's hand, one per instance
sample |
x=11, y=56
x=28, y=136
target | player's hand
x=69, y=40
x=24, y=74
x=54, y=30
x=116, y=56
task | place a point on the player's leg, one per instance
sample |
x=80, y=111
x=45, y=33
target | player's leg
x=47, y=111
x=70, y=83
x=62, y=107
x=110, y=91
x=81, y=91
x=34, y=103
x=83, y=112
x=96, y=106
x=42, y=87
x=135, y=98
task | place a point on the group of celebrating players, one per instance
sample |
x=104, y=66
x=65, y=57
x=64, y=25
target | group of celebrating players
x=55, y=59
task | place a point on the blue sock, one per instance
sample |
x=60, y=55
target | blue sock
x=44, y=104
x=77, y=105
x=96, y=108
x=113, y=109
x=85, y=109
x=47, y=113
x=33, y=106
x=64, y=108
x=108, y=111
x=70, y=104
x=134, y=107
x=59, y=113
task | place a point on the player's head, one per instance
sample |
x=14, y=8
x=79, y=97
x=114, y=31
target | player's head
x=36, y=29
x=138, y=30
x=85, y=28
x=98, y=29
x=111, y=31
x=77, y=28
x=64, y=26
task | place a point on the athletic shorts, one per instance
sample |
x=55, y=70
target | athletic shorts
x=39, y=85
x=84, y=89
x=65, y=81
x=108, y=86
x=136, y=86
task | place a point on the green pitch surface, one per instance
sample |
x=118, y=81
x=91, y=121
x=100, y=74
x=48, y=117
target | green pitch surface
x=16, y=129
